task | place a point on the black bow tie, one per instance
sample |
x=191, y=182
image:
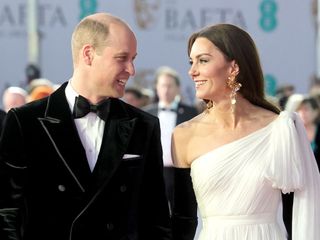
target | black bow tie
x=82, y=107
x=168, y=109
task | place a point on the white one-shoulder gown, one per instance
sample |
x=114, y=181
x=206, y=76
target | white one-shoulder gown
x=238, y=186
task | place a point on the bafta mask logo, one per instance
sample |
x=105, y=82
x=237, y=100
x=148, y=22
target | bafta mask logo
x=146, y=12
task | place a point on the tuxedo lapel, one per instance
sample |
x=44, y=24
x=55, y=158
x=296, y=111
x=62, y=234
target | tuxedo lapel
x=118, y=130
x=60, y=129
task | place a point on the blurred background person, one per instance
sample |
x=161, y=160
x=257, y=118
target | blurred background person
x=147, y=96
x=133, y=96
x=171, y=112
x=283, y=94
x=314, y=90
x=39, y=82
x=39, y=88
x=40, y=92
x=32, y=72
x=309, y=111
x=14, y=97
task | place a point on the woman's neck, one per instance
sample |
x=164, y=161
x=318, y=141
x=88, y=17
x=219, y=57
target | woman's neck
x=222, y=113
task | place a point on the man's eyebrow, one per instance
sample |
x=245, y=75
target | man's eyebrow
x=120, y=54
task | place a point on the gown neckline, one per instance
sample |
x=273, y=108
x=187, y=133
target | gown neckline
x=240, y=139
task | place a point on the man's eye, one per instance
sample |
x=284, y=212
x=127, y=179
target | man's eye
x=122, y=58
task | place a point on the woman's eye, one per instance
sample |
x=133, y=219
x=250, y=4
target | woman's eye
x=190, y=62
x=203, y=61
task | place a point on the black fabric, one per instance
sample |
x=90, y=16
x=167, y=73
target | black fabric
x=168, y=174
x=317, y=146
x=168, y=109
x=82, y=107
x=9, y=224
x=287, y=202
x=57, y=195
x=2, y=118
x=184, y=218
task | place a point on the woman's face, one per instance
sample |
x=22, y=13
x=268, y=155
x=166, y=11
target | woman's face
x=209, y=70
x=307, y=113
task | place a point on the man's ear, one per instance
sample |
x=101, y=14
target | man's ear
x=87, y=54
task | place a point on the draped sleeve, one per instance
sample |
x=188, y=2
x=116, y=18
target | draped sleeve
x=293, y=168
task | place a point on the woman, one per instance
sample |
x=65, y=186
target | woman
x=242, y=152
x=308, y=110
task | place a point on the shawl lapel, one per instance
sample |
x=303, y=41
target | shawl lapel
x=117, y=134
x=59, y=126
x=61, y=130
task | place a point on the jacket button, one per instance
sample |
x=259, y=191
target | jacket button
x=110, y=226
x=61, y=188
x=123, y=188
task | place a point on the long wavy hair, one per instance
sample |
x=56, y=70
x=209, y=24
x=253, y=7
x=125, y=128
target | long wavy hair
x=236, y=44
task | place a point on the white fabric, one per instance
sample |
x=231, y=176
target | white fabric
x=238, y=186
x=90, y=129
x=168, y=120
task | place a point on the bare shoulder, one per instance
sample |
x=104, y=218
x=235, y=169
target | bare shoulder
x=180, y=141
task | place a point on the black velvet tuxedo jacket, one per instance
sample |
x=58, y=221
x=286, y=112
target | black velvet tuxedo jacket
x=53, y=190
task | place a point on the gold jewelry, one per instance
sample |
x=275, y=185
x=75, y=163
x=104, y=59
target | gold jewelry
x=235, y=87
x=209, y=105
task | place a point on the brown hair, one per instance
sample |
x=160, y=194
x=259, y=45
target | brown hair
x=313, y=103
x=236, y=44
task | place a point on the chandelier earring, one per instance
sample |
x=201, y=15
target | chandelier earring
x=209, y=105
x=235, y=87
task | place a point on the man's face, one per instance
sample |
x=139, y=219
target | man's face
x=112, y=67
x=167, y=88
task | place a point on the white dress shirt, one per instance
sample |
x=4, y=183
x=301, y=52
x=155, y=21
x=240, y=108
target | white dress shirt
x=168, y=121
x=90, y=129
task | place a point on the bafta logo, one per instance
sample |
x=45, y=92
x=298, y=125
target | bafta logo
x=146, y=12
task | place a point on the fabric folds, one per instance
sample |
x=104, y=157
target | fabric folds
x=238, y=186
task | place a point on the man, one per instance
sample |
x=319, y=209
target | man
x=171, y=112
x=14, y=97
x=78, y=175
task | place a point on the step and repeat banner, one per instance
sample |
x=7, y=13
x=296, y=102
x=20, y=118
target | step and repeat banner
x=284, y=32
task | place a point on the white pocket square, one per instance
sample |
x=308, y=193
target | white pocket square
x=129, y=156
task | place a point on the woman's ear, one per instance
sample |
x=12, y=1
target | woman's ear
x=234, y=68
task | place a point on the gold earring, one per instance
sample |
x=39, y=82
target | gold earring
x=235, y=87
x=209, y=105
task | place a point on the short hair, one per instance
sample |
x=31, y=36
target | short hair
x=88, y=31
x=314, y=104
x=135, y=91
x=16, y=93
x=165, y=70
x=16, y=90
x=92, y=31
